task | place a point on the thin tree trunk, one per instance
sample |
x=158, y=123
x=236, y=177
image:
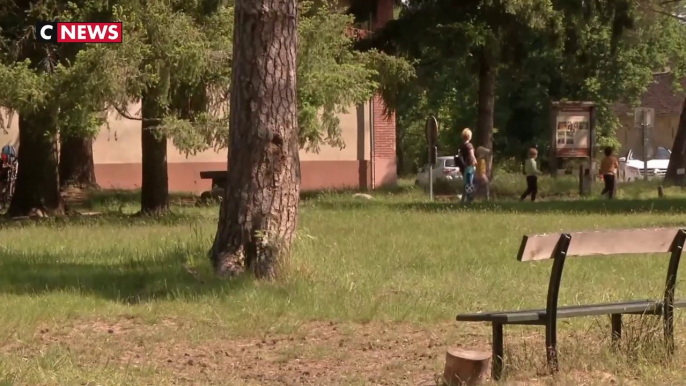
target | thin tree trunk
x=37, y=189
x=486, y=108
x=155, y=185
x=76, y=163
x=678, y=158
x=258, y=218
x=400, y=152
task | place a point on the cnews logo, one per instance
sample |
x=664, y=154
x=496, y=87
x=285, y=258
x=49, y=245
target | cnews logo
x=58, y=32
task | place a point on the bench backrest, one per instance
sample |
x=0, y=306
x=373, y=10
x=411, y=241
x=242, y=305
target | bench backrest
x=609, y=242
x=595, y=243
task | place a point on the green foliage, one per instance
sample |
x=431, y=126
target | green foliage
x=59, y=79
x=545, y=50
x=331, y=76
x=26, y=89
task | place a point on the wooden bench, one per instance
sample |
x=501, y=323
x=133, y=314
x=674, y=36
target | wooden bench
x=218, y=177
x=597, y=243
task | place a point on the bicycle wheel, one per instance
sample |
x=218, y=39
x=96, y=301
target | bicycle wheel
x=12, y=184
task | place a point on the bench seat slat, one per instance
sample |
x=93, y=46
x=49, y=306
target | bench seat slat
x=528, y=316
x=599, y=243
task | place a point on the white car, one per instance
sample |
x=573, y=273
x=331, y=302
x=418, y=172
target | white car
x=444, y=168
x=632, y=168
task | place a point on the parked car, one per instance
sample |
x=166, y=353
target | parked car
x=444, y=168
x=631, y=167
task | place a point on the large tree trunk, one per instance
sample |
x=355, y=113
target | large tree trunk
x=76, y=163
x=486, y=107
x=678, y=158
x=258, y=218
x=37, y=189
x=155, y=185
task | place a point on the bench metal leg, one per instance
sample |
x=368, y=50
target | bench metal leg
x=670, y=286
x=551, y=345
x=551, y=304
x=669, y=328
x=498, y=352
x=616, y=327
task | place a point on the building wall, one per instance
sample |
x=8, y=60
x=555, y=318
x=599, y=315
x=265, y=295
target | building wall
x=663, y=134
x=384, y=155
x=117, y=156
x=9, y=133
x=667, y=103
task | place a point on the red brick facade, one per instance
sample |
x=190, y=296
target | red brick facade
x=384, y=131
x=384, y=127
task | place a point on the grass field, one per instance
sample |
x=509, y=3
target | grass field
x=370, y=296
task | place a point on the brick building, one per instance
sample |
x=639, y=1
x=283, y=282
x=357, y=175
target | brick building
x=667, y=103
x=366, y=162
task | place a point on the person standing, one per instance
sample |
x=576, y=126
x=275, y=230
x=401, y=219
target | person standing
x=469, y=162
x=531, y=171
x=609, y=168
x=481, y=178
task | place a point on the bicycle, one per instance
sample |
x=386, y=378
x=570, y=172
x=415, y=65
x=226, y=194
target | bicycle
x=8, y=183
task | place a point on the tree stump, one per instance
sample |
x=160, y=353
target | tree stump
x=465, y=367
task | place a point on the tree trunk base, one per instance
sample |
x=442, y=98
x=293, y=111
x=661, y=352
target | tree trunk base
x=79, y=185
x=156, y=212
x=231, y=266
x=42, y=212
x=465, y=367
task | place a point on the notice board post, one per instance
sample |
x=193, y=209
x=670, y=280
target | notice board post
x=573, y=137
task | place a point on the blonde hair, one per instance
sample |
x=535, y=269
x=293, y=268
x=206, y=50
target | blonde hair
x=482, y=152
x=533, y=152
x=467, y=135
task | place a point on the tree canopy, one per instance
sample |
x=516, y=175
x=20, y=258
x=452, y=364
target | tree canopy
x=541, y=50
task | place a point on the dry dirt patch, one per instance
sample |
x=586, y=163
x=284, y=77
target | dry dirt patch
x=320, y=353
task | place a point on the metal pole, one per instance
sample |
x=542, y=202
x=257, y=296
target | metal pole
x=645, y=153
x=431, y=181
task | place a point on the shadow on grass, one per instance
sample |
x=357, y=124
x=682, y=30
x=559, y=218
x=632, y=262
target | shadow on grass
x=103, y=219
x=112, y=197
x=665, y=205
x=131, y=282
x=398, y=189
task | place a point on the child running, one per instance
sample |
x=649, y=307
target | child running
x=532, y=172
x=608, y=169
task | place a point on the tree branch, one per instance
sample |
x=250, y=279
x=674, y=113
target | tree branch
x=129, y=116
x=678, y=17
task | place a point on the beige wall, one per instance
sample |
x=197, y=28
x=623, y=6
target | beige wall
x=117, y=156
x=663, y=135
x=9, y=135
x=119, y=142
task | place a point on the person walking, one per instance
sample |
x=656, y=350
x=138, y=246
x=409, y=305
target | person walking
x=532, y=172
x=609, y=168
x=469, y=162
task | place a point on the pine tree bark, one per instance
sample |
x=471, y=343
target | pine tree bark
x=155, y=184
x=76, y=163
x=37, y=189
x=678, y=158
x=486, y=99
x=258, y=218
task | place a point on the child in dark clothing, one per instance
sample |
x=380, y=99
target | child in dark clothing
x=532, y=172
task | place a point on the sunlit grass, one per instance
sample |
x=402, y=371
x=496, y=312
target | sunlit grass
x=395, y=258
